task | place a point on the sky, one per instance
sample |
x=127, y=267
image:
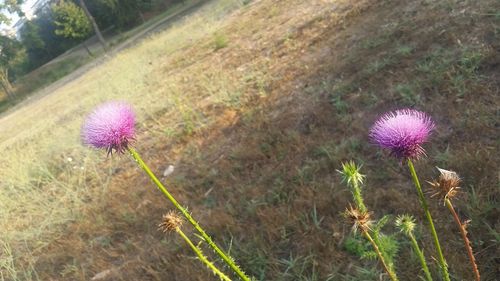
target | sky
x=14, y=18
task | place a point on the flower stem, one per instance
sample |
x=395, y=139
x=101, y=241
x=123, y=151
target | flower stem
x=423, y=202
x=467, y=243
x=380, y=256
x=229, y=261
x=202, y=257
x=356, y=194
x=421, y=256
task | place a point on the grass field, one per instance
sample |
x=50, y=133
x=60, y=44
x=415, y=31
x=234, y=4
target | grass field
x=256, y=104
x=66, y=64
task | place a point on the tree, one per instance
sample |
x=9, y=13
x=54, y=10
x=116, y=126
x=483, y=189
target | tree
x=10, y=50
x=125, y=12
x=6, y=51
x=71, y=22
x=34, y=44
x=94, y=24
x=10, y=7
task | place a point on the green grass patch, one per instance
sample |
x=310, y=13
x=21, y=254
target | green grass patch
x=220, y=41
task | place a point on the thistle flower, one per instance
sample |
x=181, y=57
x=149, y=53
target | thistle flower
x=171, y=221
x=403, y=132
x=358, y=219
x=110, y=126
x=446, y=186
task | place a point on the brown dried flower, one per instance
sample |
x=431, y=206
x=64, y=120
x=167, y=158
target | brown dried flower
x=446, y=186
x=357, y=218
x=171, y=221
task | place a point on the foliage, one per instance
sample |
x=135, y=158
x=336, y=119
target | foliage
x=10, y=6
x=41, y=42
x=220, y=41
x=125, y=13
x=11, y=56
x=387, y=243
x=70, y=20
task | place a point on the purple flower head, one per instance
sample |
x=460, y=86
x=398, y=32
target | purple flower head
x=110, y=126
x=403, y=132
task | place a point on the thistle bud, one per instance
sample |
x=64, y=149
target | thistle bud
x=406, y=224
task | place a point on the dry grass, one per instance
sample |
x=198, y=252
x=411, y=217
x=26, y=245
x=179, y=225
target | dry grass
x=256, y=130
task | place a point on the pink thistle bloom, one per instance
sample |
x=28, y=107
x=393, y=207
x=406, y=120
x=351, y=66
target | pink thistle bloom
x=110, y=126
x=403, y=132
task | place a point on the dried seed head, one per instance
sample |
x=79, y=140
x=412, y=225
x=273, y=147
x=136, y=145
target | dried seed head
x=358, y=219
x=171, y=221
x=406, y=224
x=446, y=186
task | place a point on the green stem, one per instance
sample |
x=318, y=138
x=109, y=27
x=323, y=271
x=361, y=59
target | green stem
x=229, y=261
x=356, y=194
x=421, y=256
x=202, y=257
x=423, y=202
x=380, y=256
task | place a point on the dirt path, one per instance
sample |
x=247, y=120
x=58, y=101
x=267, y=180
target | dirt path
x=132, y=41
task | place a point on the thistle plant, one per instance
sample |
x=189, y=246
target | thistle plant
x=354, y=179
x=403, y=132
x=172, y=223
x=111, y=126
x=360, y=218
x=406, y=225
x=362, y=221
x=446, y=188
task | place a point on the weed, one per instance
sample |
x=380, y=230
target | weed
x=372, y=43
x=377, y=65
x=442, y=157
x=220, y=41
x=299, y=268
x=404, y=50
x=312, y=219
x=340, y=106
x=448, y=67
x=408, y=93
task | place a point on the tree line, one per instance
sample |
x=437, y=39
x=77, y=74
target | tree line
x=62, y=25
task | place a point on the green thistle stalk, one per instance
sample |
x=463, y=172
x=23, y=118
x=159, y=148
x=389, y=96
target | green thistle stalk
x=172, y=222
x=225, y=257
x=406, y=224
x=392, y=275
x=200, y=255
x=354, y=179
x=359, y=216
x=361, y=220
x=423, y=203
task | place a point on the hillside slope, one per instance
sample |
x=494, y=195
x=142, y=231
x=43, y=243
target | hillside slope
x=256, y=106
